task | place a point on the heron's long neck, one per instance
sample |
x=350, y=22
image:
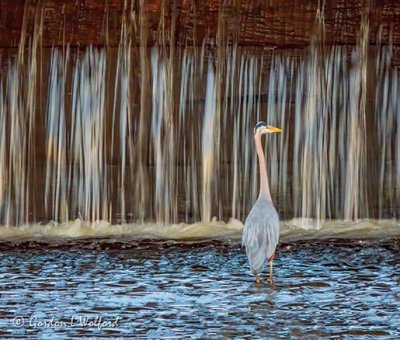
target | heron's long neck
x=264, y=186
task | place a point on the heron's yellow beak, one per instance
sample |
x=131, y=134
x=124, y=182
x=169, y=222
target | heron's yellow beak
x=274, y=129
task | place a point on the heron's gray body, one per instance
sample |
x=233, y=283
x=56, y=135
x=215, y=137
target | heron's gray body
x=261, y=233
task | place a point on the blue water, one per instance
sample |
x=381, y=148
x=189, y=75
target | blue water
x=199, y=289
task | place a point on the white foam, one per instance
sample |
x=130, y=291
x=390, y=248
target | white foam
x=293, y=230
x=298, y=229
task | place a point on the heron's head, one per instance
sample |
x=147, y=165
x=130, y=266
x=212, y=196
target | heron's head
x=263, y=128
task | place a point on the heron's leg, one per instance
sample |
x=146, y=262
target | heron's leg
x=257, y=279
x=271, y=280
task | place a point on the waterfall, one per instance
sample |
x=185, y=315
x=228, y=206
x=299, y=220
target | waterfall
x=150, y=134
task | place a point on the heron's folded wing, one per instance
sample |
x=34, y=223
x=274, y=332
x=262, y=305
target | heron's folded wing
x=261, y=234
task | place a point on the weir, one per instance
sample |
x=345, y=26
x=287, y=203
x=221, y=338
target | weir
x=163, y=133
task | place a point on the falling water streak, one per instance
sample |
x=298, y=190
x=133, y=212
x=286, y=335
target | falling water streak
x=248, y=114
x=238, y=139
x=3, y=180
x=15, y=203
x=276, y=94
x=247, y=129
x=195, y=90
x=183, y=99
x=162, y=124
x=247, y=151
x=194, y=147
x=157, y=97
x=393, y=108
x=234, y=119
x=396, y=78
x=17, y=148
x=172, y=202
x=226, y=129
x=208, y=149
x=331, y=77
x=355, y=197
x=313, y=157
x=386, y=111
x=343, y=134
x=186, y=154
x=88, y=140
x=31, y=105
x=141, y=186
x=243, y=133
x=280, y=84
x=276, y=113
x=56, y=203
x=283, y=139
x=122, y=109
x=296, y=188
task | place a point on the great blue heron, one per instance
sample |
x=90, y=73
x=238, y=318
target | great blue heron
x=261, y=229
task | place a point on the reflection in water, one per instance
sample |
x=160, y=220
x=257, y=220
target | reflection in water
x=202, y=289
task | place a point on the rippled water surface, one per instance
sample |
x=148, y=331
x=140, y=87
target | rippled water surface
x=198, y=289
